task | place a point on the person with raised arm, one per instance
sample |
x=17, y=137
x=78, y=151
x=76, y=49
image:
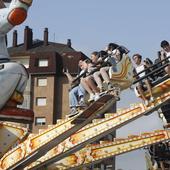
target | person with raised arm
x=76, y=91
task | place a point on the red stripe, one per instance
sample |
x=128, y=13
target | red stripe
x=17, y=112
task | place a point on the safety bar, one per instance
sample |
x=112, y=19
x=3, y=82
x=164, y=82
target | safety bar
x=153, y=65
x=152, y=72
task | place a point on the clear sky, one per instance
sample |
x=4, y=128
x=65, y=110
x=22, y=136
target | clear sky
x=139, y=25
x=92, y=24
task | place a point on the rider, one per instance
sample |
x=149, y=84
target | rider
x=114, y=55
x=165, y=53
x=111, y=62
x=88, y=82
x=76, y=92
x=140, y=66
x=103, y=69
x=13, y=76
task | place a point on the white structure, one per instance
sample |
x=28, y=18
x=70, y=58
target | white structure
x=13, y=76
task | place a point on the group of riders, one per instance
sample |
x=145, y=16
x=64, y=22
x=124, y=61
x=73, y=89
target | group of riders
x=94, y=77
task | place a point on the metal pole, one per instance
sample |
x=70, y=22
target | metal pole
x=109, y=161
x=113, y=109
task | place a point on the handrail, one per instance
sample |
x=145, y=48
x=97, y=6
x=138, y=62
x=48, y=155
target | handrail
x=152, y=66
x=82, y=75
x=154, y=71
x=160, y=72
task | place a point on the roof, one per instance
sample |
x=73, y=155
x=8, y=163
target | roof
x=38, y=46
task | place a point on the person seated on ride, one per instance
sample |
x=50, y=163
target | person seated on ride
x=106, y=61
x=110, y=62
x=165, y=53
x=76, y=91
x=88, y=81
x=115, y=54
x=140, y=66
x=148, y=63
x=157, y=65
x=102, y=56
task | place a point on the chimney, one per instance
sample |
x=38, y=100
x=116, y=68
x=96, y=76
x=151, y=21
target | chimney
x=69, y=43
x=45, y=36
x=28, y=37
x=15, y=37
x=31, y=38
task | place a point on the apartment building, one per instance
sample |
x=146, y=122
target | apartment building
x=47, y=89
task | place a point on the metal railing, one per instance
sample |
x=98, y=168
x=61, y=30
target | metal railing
x=154, y=65
x=152, y=72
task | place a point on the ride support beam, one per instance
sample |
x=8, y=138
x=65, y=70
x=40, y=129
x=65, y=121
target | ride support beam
x=97, y=129
x=94, y=153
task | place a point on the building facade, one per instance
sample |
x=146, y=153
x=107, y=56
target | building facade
x=47, y=89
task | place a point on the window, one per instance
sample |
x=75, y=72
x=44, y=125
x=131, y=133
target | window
x=42, y=81
x=40, y=121
x=43, y=63
x=41, y=101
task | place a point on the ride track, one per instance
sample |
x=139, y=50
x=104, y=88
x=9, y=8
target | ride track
x=21, y=156
x=96, y=130
x=95, y=153
x=10, y=135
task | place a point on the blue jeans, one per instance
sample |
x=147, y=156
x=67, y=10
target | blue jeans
x=74, y=94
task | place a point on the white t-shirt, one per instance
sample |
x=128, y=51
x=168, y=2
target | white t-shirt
x=81, y=72
x=139, y=69
x=168, y=55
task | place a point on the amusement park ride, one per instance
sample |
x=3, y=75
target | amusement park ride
x=66, y=145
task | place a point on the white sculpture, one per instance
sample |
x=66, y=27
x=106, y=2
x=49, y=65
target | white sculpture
x=13, y=76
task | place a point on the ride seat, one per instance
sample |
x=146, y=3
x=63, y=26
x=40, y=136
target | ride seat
x=123, y=77
x=159, y=87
